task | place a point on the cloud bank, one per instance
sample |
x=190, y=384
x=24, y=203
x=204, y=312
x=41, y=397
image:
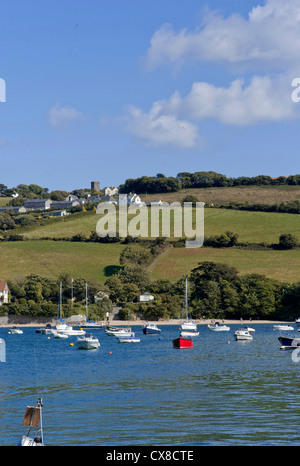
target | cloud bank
x=267, y=40
x=270, y=35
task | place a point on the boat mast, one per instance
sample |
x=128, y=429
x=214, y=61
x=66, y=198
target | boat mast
x=86, y=301
x=41, y=420
x=60, y=301
x=186, y=299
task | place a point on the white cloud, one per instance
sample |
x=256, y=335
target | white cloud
x=268, y=39
x=269, y=36
x=159, y=129
x=60, y=116
x=169, y=121
x=263, y=99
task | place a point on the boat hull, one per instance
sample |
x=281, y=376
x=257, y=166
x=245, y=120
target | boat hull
x=90, y=326
x=69, y=331
x=88, y=343
x=187, y=333
x=59, y=335
x=289, y=341
x=188, y=325
x=149, y=331
x=241, y=335
x=128, y=339
x=218, y=328
x=29, y=442
x=182, y=342
x=283, y=327
x=15, y=331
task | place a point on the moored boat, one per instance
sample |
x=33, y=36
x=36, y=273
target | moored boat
x=57, y=334
x=249, y=329
x=15, y=330
x=132, y=339
x=32, y=418
x=187, y=333
x=119, y=331
x=188, y=324
x=242, y=335
x=289, y=342
x=89, y=324
x=47, y=330
x=183, y=342
x=70, y=331
x=283, y=327
x=88, y=342
x=218, y=328
x=150, y=329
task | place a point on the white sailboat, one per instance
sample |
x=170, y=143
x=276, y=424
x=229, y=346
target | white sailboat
x=62, y=327
x=32, y=418
x=89, y=324
x=188, y=325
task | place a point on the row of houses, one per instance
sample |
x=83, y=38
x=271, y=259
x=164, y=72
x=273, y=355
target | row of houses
x=46, y=204
x=58, y=208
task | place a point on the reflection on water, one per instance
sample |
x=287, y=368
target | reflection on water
x=221, y=392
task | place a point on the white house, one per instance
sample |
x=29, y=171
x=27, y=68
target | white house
x=146, y=297
x=131, y=199
x=4, y=290
x=111, y=191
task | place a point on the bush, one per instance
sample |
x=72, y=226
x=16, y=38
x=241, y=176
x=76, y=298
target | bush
x=288, y=241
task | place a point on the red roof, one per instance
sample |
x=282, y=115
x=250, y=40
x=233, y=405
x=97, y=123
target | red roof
x=3, y=286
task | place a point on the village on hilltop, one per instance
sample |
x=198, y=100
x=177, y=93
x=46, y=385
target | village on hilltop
x=57, y=208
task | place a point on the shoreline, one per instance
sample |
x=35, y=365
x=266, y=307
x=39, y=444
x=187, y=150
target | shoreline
x=132, y=323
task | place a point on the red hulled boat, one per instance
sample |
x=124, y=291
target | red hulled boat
x=183, y=342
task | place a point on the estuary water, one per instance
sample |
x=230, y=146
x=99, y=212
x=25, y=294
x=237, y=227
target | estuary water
x=221, y=392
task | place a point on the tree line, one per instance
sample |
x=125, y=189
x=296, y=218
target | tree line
x=202, y=179
x=216, y=291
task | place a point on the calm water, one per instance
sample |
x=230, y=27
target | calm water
x=221, y=392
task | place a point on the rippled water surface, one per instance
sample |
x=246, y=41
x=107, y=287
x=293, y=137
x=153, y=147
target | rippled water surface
x=221, y=392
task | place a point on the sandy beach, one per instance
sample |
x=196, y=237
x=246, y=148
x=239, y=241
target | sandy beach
x=132, y=323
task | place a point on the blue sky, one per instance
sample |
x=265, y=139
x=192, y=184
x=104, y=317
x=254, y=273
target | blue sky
x=113, y=89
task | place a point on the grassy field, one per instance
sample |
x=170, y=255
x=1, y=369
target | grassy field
x=98, y=261
x=280, y=265
x=4, y=201
x=254, y=227
x=49, y=258
x=251, y=194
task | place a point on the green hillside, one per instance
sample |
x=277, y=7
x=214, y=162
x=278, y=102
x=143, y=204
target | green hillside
x=50, y=258
x=97, y=261
x=254, y=227
x=280, y=265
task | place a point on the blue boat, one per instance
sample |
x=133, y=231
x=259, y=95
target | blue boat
x=151, y=328
x=289, y=342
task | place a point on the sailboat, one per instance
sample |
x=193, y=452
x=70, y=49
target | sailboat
x=89, y=324
x=62, y=327
x=188, y=327
x=32, y=418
